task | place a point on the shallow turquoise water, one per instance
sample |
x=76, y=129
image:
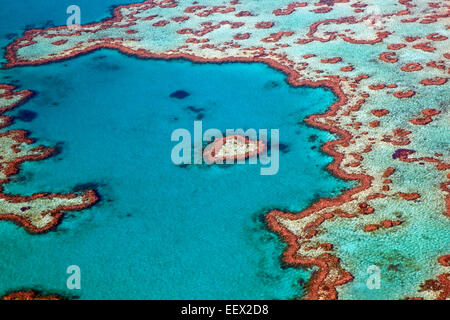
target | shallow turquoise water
x=161, y=231
x=18, y=16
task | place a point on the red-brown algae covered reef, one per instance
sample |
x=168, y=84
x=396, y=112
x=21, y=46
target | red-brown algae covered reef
x=385, y=64
x=427, y=117
x=29, y=295
x=438, y=288
x=39, y=212
x=382, y=224
x=233, y=147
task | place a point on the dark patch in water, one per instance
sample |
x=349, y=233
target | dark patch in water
x=58, y=148
x=10, y=36
x=327, y=2
x=20, y=178
x=179, y=94
x=43, y=25
x=81, y=187
x=397, y=214
x=225, y=165
x=198, y=111
x=317, y=195
x=48, y=24
x=271, y=85
x=394, y=267
x=99, y=57
x=195, y=110
x=267, y=277
x=400, y=153
x=104, y=66
x=26, y=115
x=283, y=147
x=312, y=138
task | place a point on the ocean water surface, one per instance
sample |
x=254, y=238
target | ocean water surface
x=161, y=231
x=19, y=16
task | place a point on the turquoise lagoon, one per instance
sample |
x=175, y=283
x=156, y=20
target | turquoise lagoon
x=161, y=231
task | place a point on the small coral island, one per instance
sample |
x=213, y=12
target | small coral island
x=232, y=148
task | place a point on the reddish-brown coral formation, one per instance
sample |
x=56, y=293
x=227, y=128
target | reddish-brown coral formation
x=331, y=60
x=88, y=199
x=264, y=25
x=275, y=37
x=30, y=295
x=445, y=260
x=378, y=86
x=409, y=196
x=436, y=37
x=12, y=167
x=404, y=94
x=389, y=57
x=424, y=46
x=323, y=285
x=427, y=117
x=399, y=137
x=235, y=147
x=180, y=19
x=289, y=9
x=364, y=208
x=347, y=68
x=386, y=224
x=51, y=206
x=330, y=274
x=374, y=124
x=322, y=10
x=9, y=94
x=437, y=81
x=439, y=287
x=59, y=42
x=396, y=46
x=388, y=172
x=402, y=153
x=241, y=36
x=412, y=66
x=306, y=224
x=313, y=29
x=379, y=112
x=161, y=23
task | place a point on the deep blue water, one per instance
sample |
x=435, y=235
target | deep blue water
x=161, y=231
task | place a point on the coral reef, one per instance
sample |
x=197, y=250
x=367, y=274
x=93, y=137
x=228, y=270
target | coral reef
x=39, y=212
x=388, y=67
